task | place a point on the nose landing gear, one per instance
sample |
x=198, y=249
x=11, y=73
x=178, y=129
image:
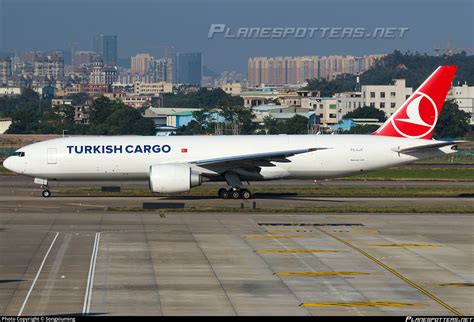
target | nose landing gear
x=44, y=185
x=46, y=193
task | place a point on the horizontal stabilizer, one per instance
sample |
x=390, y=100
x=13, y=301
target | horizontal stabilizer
x=435, y=145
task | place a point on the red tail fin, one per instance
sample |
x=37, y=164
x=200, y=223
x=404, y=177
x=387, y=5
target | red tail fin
x=416, y=118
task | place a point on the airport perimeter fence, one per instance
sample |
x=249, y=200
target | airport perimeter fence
x=463, y=155
x=6, y=149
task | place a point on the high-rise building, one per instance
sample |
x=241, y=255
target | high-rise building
x=49, y=66
x=5, y=70
x=109, y=50
x=106, y=47
x=140, y=63
x=188, y=68
x=296, y=70
x=102, y=75
x=97, y=46
x=83, y=58
x=160, y=70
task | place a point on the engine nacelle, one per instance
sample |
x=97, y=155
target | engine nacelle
x=173, y=178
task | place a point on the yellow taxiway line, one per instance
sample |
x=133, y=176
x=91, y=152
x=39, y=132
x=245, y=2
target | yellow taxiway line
x=394, y=272
x=321, y=273
x=358, y=304
x=403, y=245
x=277, y=236
x=295, y=251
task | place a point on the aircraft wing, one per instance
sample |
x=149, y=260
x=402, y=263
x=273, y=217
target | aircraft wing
x=437, y=144
x=256, y=159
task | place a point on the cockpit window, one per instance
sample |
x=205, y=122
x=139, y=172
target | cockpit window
x=18, y=154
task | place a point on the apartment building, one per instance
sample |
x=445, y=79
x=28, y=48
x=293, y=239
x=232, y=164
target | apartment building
x=140, y=64
x=49, y=66
x=463, y=96
x=325, y=109
x=141, y=88
x=386, y=97
x=136, y=101
x=348, y=102
x=5, y=70
x=298, y=69
x=231, y=88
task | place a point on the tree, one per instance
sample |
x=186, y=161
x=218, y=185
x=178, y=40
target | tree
x=101, y=108
x=366, y=112
x=24, y=120
x=235, y=115
x=202, y=123
x=192, y=128
x=79, y=98
x=270, y=125
x=296, y=125
x=203, y=98
x=342, y=83
x=362, y=129
x=203, y=120
x=414, y=67
x=452, y=122
x=27, y=99
x=115, y=118
x=57, y=119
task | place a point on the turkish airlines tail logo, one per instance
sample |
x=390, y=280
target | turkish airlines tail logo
x=417, y=117
x=413, y=112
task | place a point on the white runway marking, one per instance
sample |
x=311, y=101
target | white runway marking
x=90, y=278
x=37, y=275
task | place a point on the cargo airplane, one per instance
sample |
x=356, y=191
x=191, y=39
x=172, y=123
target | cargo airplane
x=175, y=164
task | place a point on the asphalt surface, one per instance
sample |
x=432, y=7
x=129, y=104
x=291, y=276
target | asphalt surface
x=8, y=181
x=20, y=193
x=69, y=255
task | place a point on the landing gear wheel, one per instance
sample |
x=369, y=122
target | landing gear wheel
x=46, y=193
x=226, y=194
x=235, y=194
x=222, y=193
x=245, y=194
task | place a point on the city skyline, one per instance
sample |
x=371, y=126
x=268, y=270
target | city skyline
x=147, y=26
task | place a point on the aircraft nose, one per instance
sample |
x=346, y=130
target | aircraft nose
x=8, y=163
x=13, y=165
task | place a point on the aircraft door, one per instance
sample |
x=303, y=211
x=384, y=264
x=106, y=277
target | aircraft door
x=52, y=158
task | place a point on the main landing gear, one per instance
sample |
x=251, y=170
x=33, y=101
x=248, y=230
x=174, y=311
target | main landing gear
x=234, y=193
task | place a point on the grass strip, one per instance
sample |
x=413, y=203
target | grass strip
x=300, y=191
x=458, y=174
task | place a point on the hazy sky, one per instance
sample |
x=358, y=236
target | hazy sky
x=141, y=25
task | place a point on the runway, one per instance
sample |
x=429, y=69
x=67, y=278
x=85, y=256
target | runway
x=60, y=256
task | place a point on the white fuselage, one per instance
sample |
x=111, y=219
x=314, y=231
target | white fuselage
x=118, y=158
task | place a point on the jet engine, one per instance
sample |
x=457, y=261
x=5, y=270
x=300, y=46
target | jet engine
x=173, y=178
